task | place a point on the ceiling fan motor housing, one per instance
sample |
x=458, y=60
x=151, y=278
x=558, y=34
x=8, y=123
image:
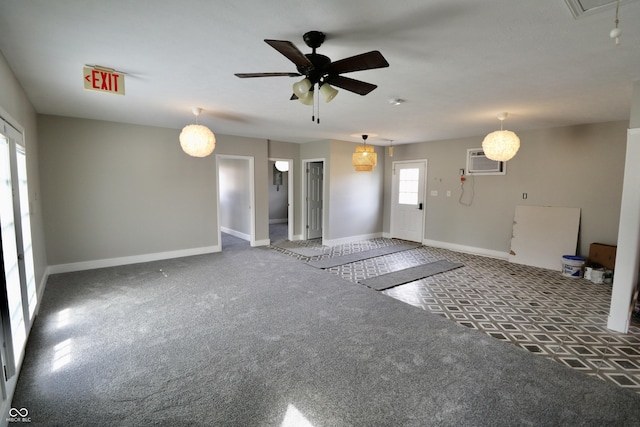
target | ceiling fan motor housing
x=314, y=39
x=319, y=68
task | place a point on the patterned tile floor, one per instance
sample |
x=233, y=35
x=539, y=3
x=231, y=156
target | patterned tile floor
x=541, y=311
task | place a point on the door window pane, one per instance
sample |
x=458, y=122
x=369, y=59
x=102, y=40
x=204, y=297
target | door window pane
x=408, y=186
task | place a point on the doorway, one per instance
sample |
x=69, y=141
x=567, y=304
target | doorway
x=236, y=200
x=314, y=197
x=280, y=200
x=408, y=200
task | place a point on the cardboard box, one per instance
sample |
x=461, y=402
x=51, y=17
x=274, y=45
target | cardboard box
x=602, y=254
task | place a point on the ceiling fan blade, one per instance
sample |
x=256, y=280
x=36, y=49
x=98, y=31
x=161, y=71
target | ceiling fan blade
x=364, y=61
x=352, y=85
x=290, y=50
x=293, y=97
x=248, y=75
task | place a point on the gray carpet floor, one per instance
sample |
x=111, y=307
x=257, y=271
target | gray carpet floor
x=241, y=337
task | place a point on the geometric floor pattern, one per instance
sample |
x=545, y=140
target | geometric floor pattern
x=538, y=310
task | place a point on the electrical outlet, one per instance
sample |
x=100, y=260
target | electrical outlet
x=448, y=193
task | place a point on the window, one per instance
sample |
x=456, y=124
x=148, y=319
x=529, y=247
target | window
x=408, y=190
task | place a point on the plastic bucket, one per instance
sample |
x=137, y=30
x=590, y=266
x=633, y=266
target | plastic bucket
x=572, y=266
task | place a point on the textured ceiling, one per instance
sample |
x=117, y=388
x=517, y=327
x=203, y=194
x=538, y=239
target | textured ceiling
x=457, y=64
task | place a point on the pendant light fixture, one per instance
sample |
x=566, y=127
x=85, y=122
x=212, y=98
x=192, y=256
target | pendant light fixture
x=365, y=157
x=282, y=165
x=197, y=140
x=616, y=32
x=501, y=145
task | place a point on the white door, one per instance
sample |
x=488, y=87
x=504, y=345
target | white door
x=314, y=199
x=407, y=209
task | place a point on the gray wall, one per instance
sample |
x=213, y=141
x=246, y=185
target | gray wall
x=579, y=166
x=356, y=198
x=634, y=117
x=235, y=195
x=115, y=190
x=109, y=187
x=353, y=206
x=118, y=190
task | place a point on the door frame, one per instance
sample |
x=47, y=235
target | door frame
x=394, y=195
x=252, y=197
x=305, y=164
x=290, y=206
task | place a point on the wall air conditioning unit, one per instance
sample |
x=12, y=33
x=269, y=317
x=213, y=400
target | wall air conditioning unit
x=479, y=164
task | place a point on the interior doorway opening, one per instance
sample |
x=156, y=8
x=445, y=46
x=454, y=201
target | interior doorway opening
x=314, y=199
x=281, y=223
x=236, y=200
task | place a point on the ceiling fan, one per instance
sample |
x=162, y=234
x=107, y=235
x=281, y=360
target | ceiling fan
x=319, y=70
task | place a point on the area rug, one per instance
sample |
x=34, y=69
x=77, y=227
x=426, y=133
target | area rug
x=308, y=251
x=389, y=280
x=359, y=256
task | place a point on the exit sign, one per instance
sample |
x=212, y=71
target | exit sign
x=103, y=80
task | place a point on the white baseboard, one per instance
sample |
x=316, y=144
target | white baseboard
x=297, y=237
x=263, y=242
x=467, y=249
x=350, y=239
x=43, y=284
x=112, y=262
x=235, y=233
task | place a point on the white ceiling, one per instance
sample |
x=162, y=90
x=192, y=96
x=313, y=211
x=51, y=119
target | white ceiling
x=457, y=63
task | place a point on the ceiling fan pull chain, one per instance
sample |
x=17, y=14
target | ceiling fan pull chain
x=318, y=121
x=313, y=105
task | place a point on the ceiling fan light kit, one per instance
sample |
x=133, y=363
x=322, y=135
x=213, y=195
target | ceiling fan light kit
x=328, y=92
x=318, y=70
x=197, y=140
x=302, y=87
x=307, y=98
x=501, y=145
